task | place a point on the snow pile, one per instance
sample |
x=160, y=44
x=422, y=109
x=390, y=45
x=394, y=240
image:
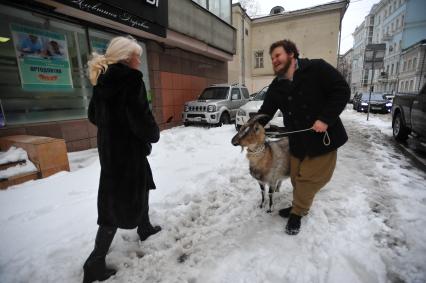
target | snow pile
x=14, y=155
x=366, y=225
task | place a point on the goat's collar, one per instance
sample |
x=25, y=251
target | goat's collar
x=257, y=150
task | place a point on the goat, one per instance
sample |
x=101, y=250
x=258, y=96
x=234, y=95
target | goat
x=269, y=160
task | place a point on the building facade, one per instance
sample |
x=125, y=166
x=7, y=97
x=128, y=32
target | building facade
x=344, y=65
x=400, y=24
x=413, y=73
x=315, y=31
x=357, y=75
x=45, y=46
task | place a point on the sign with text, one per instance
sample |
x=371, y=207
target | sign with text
x=42, y=57
x=374, y=55
x=143, y=15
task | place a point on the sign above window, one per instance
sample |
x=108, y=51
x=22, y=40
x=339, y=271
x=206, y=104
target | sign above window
x=147, y=15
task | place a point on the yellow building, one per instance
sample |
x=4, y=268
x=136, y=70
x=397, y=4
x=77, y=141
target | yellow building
x=316, y=32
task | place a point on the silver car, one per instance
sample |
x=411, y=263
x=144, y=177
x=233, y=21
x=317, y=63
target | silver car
x=217, y=105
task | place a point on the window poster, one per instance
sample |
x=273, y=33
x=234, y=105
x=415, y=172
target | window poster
x=43, y=59
x=99, y=45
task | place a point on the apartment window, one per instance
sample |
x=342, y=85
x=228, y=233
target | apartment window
x=387, y=69
x=409, y=64
x=392, y=69
x=406, y=86
x=404, y=68
x=414, y=63
x=401, y=86
x=411, y=85
x=392, y=27
x=397, y=23
x=258, y=58
x=221, y=8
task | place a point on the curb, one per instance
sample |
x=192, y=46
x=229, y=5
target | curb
x=411, y=150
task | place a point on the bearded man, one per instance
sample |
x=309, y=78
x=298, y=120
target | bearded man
x=311, y=94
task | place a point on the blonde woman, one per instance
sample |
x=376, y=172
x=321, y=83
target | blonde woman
x=126, y=129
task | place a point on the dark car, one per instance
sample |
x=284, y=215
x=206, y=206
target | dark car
x=378, y=102
x=409, y=115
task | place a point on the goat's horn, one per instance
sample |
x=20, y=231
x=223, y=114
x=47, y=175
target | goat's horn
x=257, y=118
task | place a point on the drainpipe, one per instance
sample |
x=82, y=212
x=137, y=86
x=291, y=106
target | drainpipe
x=243, y=63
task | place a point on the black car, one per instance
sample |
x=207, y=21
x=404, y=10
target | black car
x=378, y=102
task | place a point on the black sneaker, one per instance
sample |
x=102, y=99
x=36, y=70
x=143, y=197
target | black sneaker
x=293, y=224
x=146, y=233
x=285, y=212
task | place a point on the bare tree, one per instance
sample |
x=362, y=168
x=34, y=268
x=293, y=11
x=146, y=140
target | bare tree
x=252, y=7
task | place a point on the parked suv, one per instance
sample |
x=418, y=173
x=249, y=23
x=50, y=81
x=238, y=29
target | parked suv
x=218, y=104
x=409, y=115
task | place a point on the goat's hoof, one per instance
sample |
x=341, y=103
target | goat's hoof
x=261, y=206
x=269, y=211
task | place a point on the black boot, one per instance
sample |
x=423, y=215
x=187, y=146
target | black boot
x=147, y=230
x=95, y=267
x=293, y=224
x=285, y=212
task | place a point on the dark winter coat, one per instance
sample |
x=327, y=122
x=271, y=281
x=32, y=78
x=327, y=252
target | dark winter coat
x=126, y=129
x=318, y=92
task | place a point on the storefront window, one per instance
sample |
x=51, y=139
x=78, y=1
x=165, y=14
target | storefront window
x=29, y=96
x=43, y=66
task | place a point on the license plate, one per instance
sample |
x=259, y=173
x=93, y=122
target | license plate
x=375, y=108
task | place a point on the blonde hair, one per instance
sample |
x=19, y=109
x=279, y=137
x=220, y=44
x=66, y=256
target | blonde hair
x=120, y=49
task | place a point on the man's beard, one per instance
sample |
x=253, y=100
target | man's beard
x=284, y=69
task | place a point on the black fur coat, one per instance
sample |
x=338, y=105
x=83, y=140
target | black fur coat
x=318, y=92
x=126, y=129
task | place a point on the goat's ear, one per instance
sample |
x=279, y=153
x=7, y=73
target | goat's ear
x=256, y=128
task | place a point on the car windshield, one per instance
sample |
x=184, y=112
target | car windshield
x=261, y=94
x=214, y=93
x=374, y=96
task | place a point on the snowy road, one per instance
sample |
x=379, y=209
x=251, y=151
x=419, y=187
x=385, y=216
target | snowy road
x=366, y=225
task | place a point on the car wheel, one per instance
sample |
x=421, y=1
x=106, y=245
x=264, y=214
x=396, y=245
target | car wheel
x=400, y=132
x=224, y=119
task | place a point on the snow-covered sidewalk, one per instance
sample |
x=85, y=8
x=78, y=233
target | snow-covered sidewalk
x=366, y=225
